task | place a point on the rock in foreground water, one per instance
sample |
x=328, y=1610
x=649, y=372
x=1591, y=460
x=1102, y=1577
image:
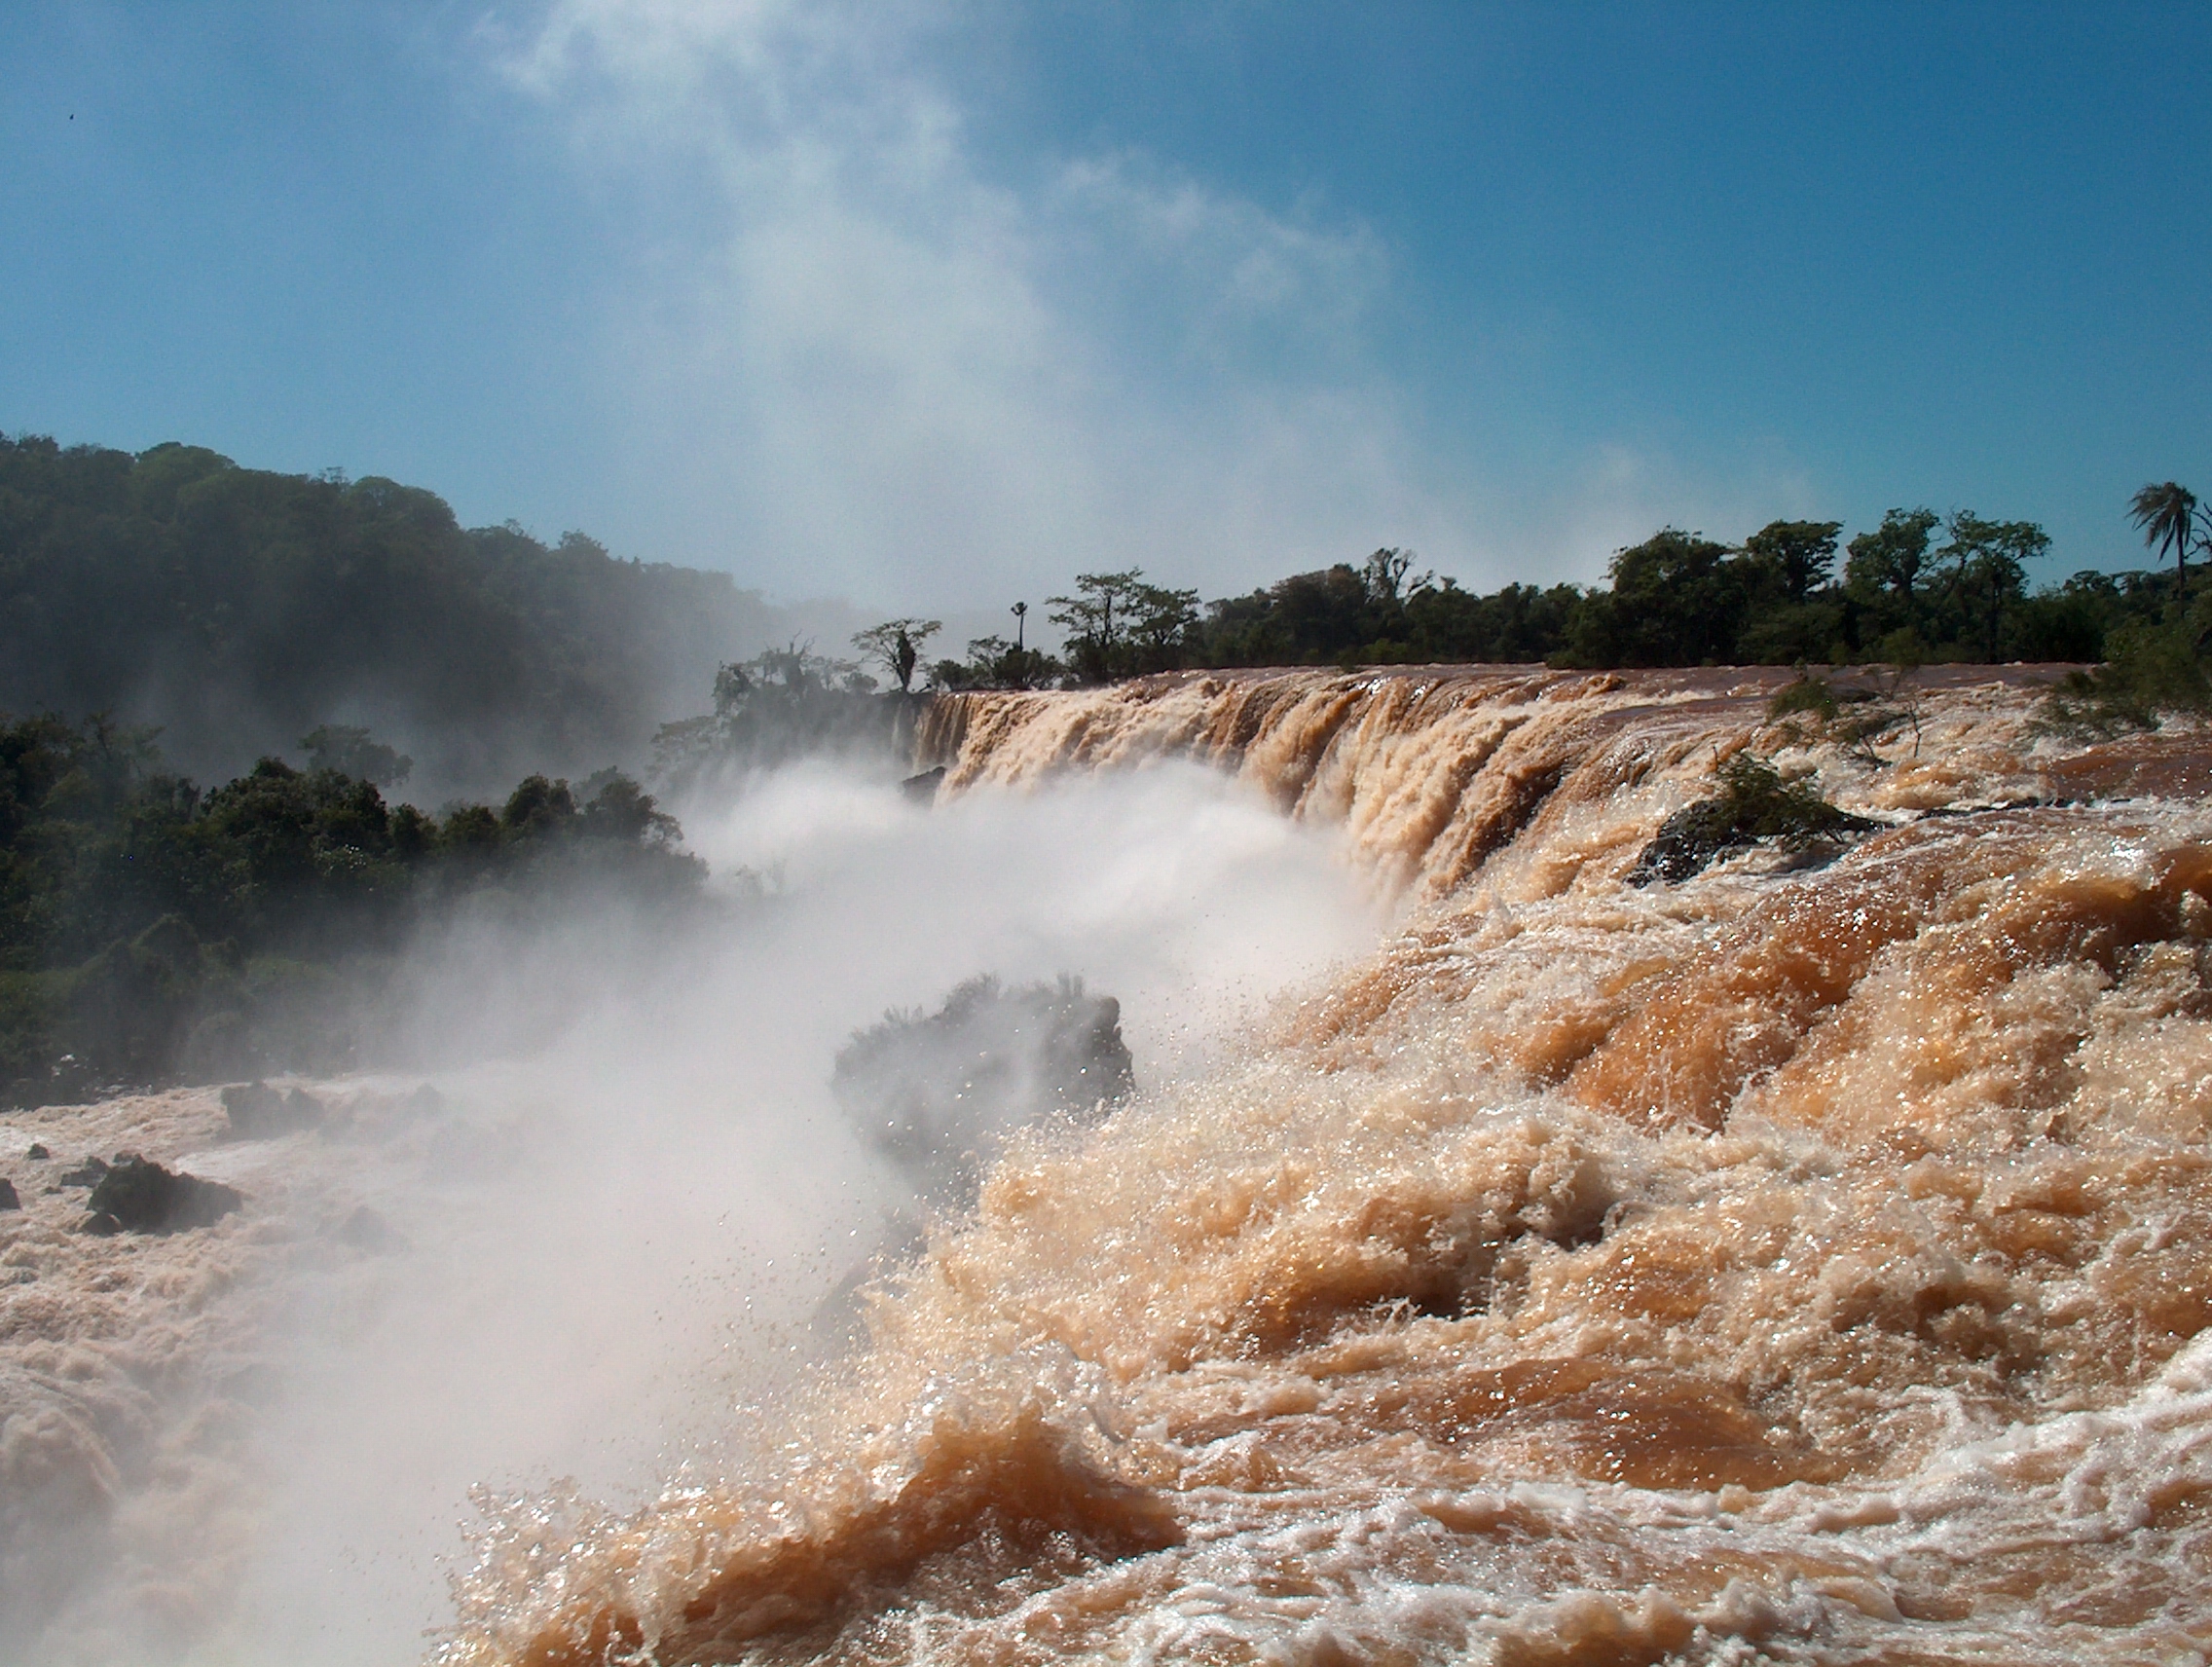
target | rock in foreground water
x=258, y=1112
x=139, y=1195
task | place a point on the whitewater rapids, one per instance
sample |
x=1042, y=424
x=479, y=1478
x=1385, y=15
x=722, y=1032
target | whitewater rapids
x=1805, y=1263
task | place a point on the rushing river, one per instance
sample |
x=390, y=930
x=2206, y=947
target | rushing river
x=1804, y=1262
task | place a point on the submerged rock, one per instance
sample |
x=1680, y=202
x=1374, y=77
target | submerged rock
x=142, y=1196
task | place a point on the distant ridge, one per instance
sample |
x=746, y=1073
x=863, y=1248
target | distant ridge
x=238, y=609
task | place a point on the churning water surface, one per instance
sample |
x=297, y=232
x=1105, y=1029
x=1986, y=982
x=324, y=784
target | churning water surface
x=1804, y=1262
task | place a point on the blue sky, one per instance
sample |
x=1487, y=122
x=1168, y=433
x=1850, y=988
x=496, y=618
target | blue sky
x=929, y=305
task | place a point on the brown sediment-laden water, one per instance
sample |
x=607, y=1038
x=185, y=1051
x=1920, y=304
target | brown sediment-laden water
x=1803, y=1262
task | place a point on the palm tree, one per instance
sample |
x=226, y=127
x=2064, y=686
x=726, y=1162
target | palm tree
x=2168, y=514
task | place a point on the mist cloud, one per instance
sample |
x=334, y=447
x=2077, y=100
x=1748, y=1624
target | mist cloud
x=863, y=356
x=620, y=1243
x=624, y=1225
x=935, y=386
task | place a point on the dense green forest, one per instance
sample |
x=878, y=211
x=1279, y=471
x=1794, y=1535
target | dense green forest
x=1919, y=588
x=150, y=930
x=236, y=609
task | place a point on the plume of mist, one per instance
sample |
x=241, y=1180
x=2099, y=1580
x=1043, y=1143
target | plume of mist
x=601, y=1255
x=925, y=369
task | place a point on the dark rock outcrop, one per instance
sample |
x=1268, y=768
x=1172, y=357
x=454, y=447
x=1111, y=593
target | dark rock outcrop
x=142, y=1197
x=922, y=789
x=365, y=1229
x=938, y=1093
x=425, y=1102
x=258, y=1112
x=1754, y=806
x=8, y=1198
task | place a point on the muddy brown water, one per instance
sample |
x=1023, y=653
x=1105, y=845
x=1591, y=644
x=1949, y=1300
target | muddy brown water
x=1799, y=1264
x=1804, y=1263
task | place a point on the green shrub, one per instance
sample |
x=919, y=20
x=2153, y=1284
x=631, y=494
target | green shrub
x=1753, y=806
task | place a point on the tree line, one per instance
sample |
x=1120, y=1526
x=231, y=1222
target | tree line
x=237, y=608
x=149, y=929
x=1920, y=587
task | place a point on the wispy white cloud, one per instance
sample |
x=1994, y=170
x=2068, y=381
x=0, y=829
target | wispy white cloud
x=855, y=354
x=895, y=370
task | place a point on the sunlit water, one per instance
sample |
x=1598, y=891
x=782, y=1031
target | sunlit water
x=1804, y=1263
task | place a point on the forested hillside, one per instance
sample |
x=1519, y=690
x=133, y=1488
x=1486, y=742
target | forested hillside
x=149, y=928
x=238, y=610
